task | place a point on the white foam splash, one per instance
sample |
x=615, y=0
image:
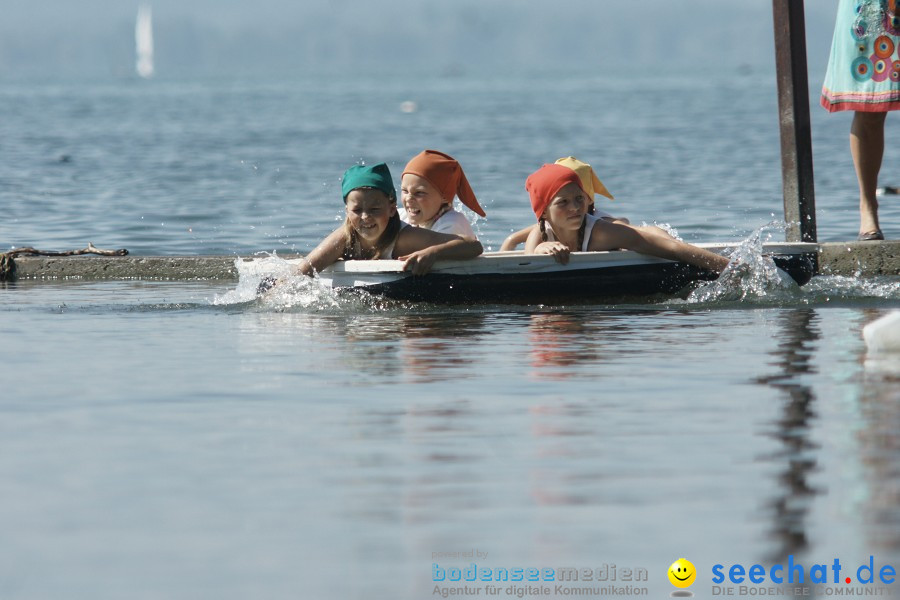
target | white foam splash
x=838, y=288
x=294, y=292
x=291, y=290
x=665, y=227
x=750, y=274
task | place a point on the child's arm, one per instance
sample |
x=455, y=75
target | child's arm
x=420, y=247
x=534, y=245
x=326, y=253
x=655, y=242
x=516, y=238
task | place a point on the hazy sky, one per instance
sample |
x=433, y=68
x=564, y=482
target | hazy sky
x=211, y=37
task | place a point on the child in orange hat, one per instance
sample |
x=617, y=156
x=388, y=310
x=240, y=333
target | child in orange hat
x=373, y=230
x=560, y=202
x=428, y=185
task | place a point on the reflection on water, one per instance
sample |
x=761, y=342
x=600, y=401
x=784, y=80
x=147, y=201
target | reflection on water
x=560, y=340
x=440, y=347
x=796, y=457
x=379, y=347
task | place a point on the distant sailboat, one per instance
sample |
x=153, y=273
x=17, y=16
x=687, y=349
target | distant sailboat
x=143, y=40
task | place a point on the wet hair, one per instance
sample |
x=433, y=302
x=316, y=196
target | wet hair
x=353, y=249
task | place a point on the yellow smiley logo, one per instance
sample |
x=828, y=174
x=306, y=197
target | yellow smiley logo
x=682, y=573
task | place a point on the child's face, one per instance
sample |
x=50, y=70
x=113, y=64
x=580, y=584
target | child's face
x=566, y=210
x=421, y=200
x=369, y=212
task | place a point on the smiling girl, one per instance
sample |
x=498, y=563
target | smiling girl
x=560, y=204
x=429, y=183
x=373, y=229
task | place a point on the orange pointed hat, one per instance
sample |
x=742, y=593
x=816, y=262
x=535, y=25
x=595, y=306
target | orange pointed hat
x=543, y=184
x=444, y=173
x=589, y=180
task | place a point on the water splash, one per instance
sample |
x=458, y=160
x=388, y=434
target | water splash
x=668, y=228
x=291, y=290
x=841, y=288
x=475, y=221
x=753, y=278
x=296, y=292
x=750, y=274
x=250, y=274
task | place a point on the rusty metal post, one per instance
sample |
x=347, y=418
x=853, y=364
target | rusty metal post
x=793, y=111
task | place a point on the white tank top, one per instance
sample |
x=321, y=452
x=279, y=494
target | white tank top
x=589, y=222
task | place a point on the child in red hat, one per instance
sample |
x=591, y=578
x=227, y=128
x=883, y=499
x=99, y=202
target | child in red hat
x=560, y=204
x=591, y=184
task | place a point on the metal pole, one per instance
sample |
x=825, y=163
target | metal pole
x=793, y=111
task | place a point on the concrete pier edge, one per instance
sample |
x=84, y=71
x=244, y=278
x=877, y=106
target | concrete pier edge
x=865, y=259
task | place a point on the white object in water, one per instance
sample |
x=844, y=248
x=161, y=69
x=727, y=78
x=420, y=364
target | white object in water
x=408, y=106
x=143, y=42
x=883, y=335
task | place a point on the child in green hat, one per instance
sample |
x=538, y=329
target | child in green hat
x=373, y=229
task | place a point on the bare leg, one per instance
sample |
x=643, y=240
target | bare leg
x=867, y=149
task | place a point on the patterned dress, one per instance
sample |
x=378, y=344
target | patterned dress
x=864, y=67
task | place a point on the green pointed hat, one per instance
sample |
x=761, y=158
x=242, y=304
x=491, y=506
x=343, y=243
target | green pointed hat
x=374, y=176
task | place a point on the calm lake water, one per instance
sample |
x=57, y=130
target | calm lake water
x=181, y=440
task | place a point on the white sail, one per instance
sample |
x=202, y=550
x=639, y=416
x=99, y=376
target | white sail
x=143, y=40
